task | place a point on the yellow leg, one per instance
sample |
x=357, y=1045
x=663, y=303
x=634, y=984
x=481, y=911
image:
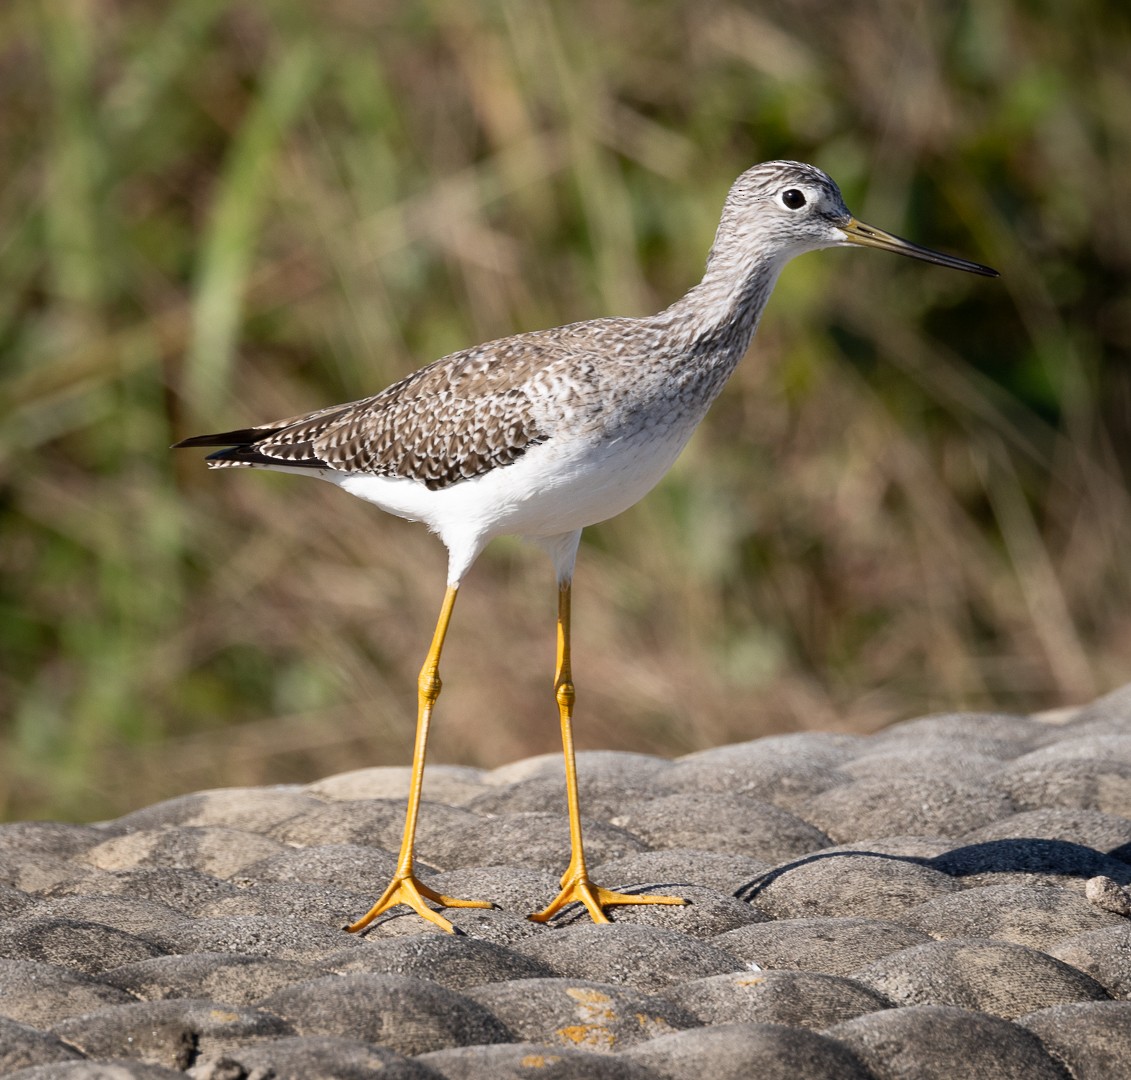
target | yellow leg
x=576, y=885
x=405, y=888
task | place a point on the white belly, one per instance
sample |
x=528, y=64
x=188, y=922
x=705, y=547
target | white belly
x=551, y=490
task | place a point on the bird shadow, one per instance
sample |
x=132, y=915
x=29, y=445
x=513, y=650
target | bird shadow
x=1020, y=855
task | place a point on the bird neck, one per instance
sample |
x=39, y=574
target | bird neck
x=716, y=319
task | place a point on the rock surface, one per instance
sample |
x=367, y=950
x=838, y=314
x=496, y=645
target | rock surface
x=948, y=897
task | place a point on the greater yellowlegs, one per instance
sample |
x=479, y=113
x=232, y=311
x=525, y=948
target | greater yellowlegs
x=541, y=434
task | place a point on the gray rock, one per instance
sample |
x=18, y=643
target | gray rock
x=246, y=809
x=517, y=889
x=684, y=866
x=788, y=784
x=514, y=891
x=1105, y=955
x=170, y=1033
x=598, y=1017
x=909, y=762
x=113, y=1069
x=22, y=1046
x=223, y=907
x=993, y=977
x=1089, y=725
x=60, y=839
x=223, y=977
x=729, y=824
x=802, y=747
x=1077, y=784
x=917, y=849
x=645, y=958
x=1075, y=744
x=706, y=914
x=743, y=1051
x=905, y=804
x=998, y=735
x=180, y=888
x=311, y=1058
x=374, y=823
x=1092, y=1039
x=796, y=998
x=521, y=1061
x=484, y=924
x=14, y=902
x=457, y=962
x=43, y=872
x=1104, y=832
x=832, y=946
x=349, y=867
x=1115, y=706
x=600, y=798
x=73, y=943
x=606, y=780
x=130, y=914
x=454, y=785
x=410, y=1016
x=599, y=771
x=325, y=905
x=1036, y=915
x=42, y=994
x=1027, y=861
x=523, y=892
x=864, y=886
x=514, y=772
x=540, y=841
x=209, y=849
x=931, y=1042
x=1106, y=895
x=257, y=935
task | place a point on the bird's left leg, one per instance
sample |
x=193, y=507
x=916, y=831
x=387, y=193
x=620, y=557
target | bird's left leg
x=576, y=884
x=406, y=887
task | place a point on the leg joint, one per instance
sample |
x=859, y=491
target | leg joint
x=429, y=683
x=565, y=693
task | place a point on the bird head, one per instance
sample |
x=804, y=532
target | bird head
x=780, y=209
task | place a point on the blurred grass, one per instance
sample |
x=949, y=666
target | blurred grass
x=912, y=496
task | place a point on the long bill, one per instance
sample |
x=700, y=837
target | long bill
x=856, y=232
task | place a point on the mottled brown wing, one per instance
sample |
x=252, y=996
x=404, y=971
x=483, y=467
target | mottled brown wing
x=457, y=418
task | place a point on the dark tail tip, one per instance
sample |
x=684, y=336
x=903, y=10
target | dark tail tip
x=242, y=437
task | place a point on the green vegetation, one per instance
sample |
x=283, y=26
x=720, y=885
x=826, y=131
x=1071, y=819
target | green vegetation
x=212, y=212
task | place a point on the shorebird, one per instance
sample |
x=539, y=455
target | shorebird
x=541, y=434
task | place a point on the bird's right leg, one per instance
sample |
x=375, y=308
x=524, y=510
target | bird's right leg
x=406, y=888
x=576, y=883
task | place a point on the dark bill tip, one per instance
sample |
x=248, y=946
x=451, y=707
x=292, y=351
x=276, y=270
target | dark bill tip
x=856, y=232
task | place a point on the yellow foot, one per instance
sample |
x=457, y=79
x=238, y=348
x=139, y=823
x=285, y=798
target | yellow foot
x=407, y=889
x=595, y=899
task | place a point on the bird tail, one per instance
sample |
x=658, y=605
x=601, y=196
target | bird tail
x=239, y=437
x=240, y=449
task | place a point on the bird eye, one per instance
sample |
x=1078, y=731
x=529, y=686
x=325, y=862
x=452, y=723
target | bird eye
x=792, y=198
